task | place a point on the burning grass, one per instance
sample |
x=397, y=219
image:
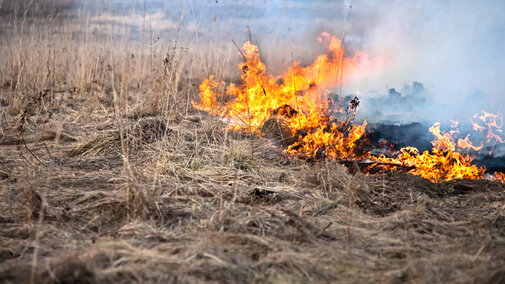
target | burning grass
x=199, y=208
x=297, y=110
x=149, y=190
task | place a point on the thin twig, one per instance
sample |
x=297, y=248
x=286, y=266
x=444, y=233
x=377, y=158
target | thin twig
x=294, y=84
x=342, y=50
x=250, y=126
x=255, y=75
x=498, y=215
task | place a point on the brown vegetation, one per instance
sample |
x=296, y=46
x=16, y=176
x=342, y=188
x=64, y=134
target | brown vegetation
x=107, y=174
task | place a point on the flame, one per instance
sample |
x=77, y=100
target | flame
x=491, y=128
x=300, y=97
x=301, y=100
x=443, y=162
x=466, y=144
x=493, y=122
x=498, y=177
x=332, y=144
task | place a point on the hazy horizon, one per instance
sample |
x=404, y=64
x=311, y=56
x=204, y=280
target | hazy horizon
x=454, y=48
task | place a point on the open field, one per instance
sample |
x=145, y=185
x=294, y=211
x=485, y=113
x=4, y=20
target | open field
x=109, y=174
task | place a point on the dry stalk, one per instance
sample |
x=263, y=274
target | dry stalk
x=250, y=127
x=36, y=243
x=248, y=67
x=341, y=57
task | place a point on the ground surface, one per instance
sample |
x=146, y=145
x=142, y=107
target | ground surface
x=107, y=174
x=189, y=202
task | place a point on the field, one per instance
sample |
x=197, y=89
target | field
x=109, y=174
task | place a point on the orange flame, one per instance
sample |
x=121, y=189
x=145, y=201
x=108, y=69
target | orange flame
x=301, y=99
x=443, y=163
x=493, y=122
x=498, y=177
x=491, y=129
x=332, y=145
x=466, y=144
x=305, y=90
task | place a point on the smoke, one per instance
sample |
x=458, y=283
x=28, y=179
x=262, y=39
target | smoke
x=441, y=60
x=454, y=47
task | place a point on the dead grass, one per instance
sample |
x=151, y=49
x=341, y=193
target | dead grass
x=122, y=181
x=198, y=208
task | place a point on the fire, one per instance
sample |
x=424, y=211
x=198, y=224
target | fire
x=466, y=144
x=498, y=176
x=493, y=123
x=491, y=128
x=299, y=102
x=333, y=144
x=442, y=163
x=300, y=98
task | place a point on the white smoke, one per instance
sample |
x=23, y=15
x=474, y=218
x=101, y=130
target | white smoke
x=454, y=47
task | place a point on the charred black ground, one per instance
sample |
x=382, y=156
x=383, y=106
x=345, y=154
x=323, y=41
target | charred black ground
x=388, y=138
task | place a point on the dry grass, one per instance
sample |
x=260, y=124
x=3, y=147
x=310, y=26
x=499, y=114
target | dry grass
x=108, y=175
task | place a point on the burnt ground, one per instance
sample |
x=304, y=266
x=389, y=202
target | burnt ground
x=87, y=196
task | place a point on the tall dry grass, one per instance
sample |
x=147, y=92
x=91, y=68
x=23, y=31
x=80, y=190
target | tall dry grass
x=58, y=54
x=144, y=189
x=47, y=55
x=52, y=51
